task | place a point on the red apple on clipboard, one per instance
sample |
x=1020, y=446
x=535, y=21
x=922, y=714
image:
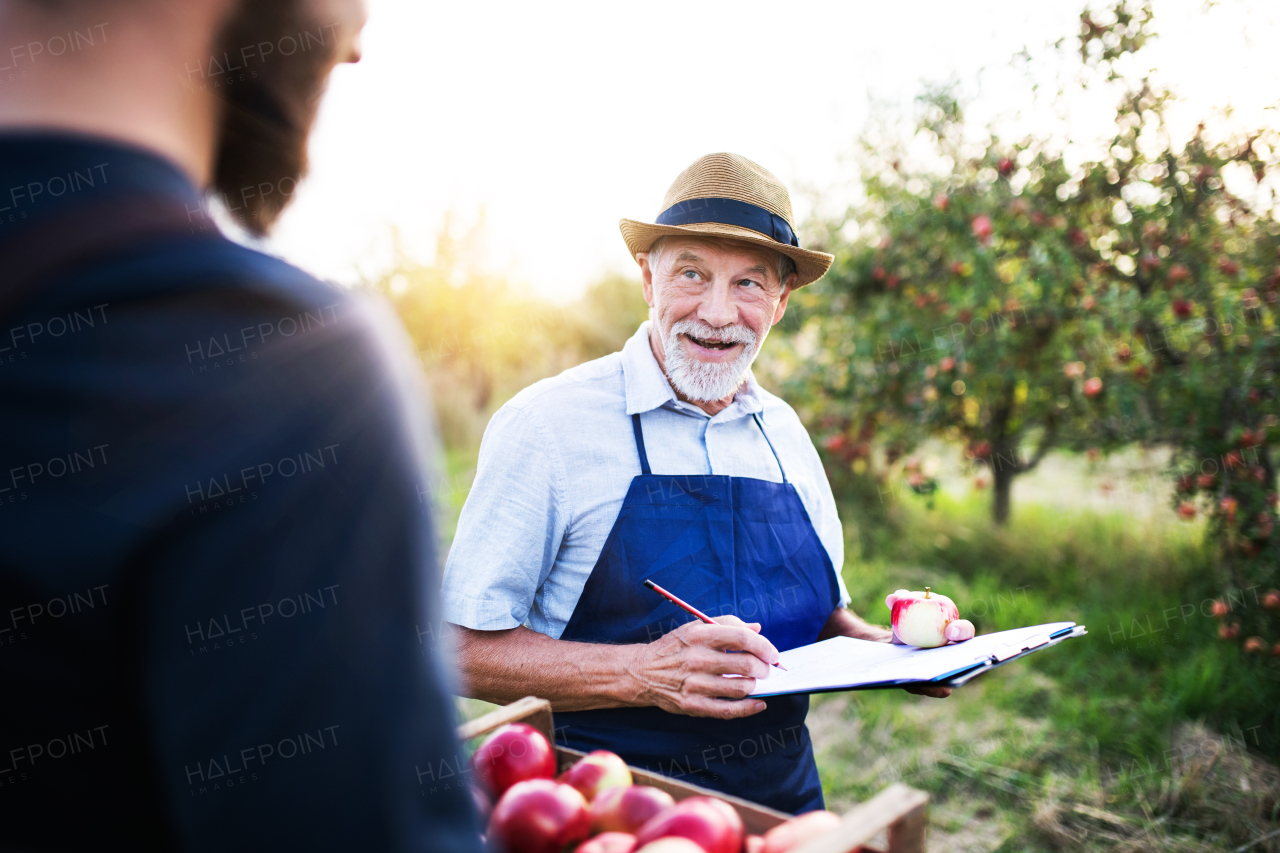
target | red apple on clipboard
x=926, y=619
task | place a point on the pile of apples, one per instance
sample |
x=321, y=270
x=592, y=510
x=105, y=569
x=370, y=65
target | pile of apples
x=594, y=806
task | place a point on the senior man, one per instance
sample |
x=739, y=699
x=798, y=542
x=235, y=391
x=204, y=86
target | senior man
x=665, y=462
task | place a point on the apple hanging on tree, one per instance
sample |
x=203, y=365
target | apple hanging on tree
x=926, y=619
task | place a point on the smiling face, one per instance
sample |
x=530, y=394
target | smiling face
x=712, y=303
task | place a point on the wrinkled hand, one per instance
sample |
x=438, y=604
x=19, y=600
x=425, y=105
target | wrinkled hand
x=684, y=671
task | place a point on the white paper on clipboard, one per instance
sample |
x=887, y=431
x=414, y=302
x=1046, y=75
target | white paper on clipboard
x=843, y=663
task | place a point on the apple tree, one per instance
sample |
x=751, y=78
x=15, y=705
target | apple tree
x=994, y=295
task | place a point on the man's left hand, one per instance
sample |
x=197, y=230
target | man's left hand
x=956, y=632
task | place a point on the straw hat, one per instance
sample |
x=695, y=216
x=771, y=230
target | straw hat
x=729, y=197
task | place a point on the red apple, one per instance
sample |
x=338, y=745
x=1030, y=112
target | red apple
x=539, y=816
x=1229, y=632
x=1005, y=166
x=1178, y=272
x=1092, y=387
x=1183, y=307
x=627, y=809
x=709, y=823
x=595, y=772
x=799, y=830
x=983, y=228
x=671, y=845
x=920, y=619
x=1219, y=609
x=513, y=753
x=1255, y=645
x=608, y=842
x=1271, y=599
x=1186, y=510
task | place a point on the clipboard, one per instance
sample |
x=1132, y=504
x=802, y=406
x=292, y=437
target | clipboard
x=1013, y=653
x=843, y=663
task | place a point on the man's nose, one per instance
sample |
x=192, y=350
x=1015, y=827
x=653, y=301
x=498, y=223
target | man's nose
x=717, y=308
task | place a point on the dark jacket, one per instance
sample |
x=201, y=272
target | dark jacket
x=217, y=559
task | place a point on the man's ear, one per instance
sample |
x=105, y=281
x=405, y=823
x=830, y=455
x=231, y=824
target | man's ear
x=646, y=277
x=782, y=303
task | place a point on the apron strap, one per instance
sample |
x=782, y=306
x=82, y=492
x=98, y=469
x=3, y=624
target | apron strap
x=770, y=443
x=644, y=457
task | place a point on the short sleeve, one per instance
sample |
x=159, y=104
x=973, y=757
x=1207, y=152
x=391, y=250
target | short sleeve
x=510, y=528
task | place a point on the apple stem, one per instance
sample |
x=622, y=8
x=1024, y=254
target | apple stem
x=926, y=592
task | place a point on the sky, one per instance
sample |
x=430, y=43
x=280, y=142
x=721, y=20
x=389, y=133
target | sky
x=557, y=119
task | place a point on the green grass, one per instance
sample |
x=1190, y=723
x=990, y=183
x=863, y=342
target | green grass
x=1085, y=746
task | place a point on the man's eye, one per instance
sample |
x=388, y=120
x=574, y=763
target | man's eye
x=690, y=274
x=746, y=282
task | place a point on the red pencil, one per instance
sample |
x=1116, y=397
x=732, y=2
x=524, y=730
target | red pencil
x=689, y=607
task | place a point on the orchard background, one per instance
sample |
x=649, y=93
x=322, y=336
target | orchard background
x=1043, y=379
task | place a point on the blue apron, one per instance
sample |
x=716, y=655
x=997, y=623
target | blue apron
x=726, y=545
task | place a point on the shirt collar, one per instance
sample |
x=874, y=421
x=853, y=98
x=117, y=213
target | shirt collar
x=647, y=387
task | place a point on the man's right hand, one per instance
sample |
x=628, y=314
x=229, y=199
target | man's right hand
x=683, y=672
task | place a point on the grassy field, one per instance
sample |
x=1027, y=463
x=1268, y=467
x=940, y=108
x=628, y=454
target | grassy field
x=1147, y=734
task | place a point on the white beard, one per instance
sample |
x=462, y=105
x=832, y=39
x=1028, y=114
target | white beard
x=702, y=381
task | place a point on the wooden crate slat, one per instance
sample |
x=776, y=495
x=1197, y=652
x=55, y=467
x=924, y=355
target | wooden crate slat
x=532, y=710
x=898, y=808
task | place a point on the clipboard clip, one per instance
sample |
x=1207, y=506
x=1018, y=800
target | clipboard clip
x=1010, y=650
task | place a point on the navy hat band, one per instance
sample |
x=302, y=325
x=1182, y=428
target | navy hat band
x=729, y=211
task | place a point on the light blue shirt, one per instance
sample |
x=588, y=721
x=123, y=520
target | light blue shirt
x=555, y=465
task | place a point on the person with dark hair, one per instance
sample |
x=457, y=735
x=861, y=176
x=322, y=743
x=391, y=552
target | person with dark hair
x=218, y=570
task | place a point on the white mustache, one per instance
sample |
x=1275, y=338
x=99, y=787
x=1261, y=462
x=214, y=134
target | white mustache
x=704, y=332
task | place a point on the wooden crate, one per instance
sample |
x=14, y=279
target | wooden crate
x=898, y=810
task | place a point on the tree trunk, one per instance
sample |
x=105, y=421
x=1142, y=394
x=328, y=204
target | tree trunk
x=1002, y=483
